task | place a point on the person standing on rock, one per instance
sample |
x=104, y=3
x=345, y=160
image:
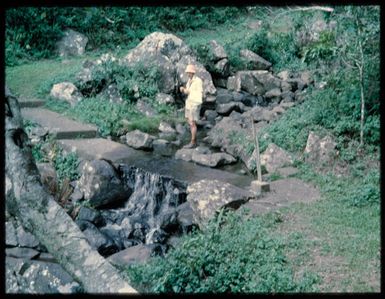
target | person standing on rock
x=194, y=92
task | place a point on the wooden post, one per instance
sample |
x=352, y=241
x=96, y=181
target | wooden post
x=258, y=186
x=259, y=173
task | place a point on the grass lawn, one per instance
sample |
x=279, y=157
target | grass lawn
x=339, y=243
x=26, y=80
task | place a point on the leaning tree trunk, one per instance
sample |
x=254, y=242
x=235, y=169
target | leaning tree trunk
x=40, y=214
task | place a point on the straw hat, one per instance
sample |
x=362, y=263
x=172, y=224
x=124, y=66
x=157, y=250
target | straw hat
x=190, y=69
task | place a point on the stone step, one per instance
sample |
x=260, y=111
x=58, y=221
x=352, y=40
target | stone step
x=31, y=102
x=62, y=127
x=98, y=148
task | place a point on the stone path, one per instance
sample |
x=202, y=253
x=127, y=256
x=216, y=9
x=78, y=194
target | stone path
x=30, y=102
x=59, y=125
x=282, y=193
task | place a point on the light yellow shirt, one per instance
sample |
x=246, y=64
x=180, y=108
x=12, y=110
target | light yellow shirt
x=195, y=88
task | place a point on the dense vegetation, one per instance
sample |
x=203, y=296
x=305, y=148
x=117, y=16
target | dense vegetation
x=253, y=262
x=343, y=225
x=32, y=32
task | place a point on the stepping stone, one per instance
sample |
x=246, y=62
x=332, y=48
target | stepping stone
x=31, y=102
x=61, y=126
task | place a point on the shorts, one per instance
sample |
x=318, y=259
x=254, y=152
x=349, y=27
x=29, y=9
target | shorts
x=192, y=113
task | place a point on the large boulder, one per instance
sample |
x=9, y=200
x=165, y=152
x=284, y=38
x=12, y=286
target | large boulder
x=254, y=61
x=224, y=133
x=320, y=150
x=139, y=140
x=253, y=82
x=165, y=44
x=170, y=55
x=100, y=183
x=275, y=157
x=66, y=91
x=217, y=51
x=222, y=68
x=72, y=44
x=219, y=63
x=248, y=82
x=160, y=50
x=93, y=73
x=207, y=197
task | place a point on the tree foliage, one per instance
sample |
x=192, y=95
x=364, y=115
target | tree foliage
x=32, y=32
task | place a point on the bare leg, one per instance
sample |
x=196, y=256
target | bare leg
x=193, y=129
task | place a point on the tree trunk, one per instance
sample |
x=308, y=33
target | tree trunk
x=42, y=216
x=362, y=122
x=361, y=70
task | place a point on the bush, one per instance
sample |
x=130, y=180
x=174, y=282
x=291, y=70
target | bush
x=66, y=166
x=231, y=255
x=323, y=49
x=141, y=79
x=260, y=44
x=367, y=191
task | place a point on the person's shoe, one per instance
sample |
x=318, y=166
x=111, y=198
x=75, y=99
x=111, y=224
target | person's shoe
x=190, y=145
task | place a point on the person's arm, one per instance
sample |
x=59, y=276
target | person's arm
x=184, y=89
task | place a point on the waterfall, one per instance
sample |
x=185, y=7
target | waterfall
x=151, y=204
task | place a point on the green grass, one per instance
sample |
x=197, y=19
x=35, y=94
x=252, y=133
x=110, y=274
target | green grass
x=342, y=237
x=113, y=119
x=27, y=80
x=338, y=242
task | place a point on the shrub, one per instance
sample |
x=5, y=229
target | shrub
x=231, y=255
x=260, y=44
x=325, y=48
x=139, y=79
x=367, y=191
